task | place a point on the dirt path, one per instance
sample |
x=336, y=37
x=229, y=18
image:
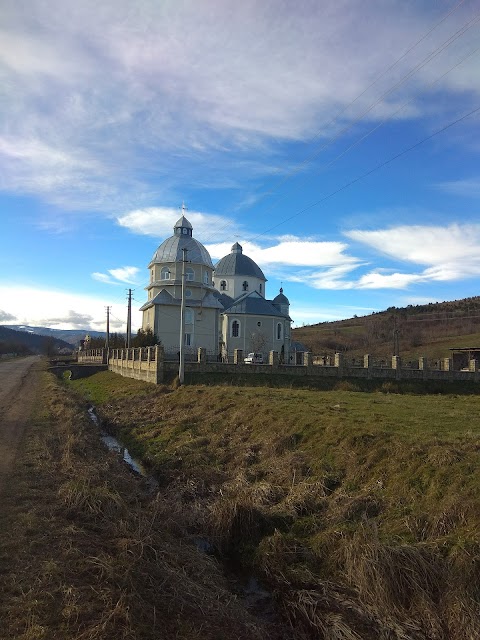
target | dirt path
x=18, y=384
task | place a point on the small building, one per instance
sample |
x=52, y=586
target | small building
x=461, y=357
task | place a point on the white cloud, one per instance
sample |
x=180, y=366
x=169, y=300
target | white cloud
x=127, y=275
x=157, y=222
x=64, y=310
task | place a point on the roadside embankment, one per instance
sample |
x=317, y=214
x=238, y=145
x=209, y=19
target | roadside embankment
x=358, y=511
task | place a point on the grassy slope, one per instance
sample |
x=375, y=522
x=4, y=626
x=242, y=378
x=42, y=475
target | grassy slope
x=369, y=499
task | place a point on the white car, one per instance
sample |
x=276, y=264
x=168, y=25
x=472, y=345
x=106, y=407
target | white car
x=254, y=358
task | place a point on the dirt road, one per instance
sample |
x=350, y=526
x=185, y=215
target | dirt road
x=18, y=385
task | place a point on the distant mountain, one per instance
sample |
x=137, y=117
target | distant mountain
x=27, y=342
x=72, y=336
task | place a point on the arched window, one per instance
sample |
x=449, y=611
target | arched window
x=279, y=331
x=245, y=285
x=188, y=293
x=189, y=274
x=223, y=285
x=235, y=329
x=165, y=273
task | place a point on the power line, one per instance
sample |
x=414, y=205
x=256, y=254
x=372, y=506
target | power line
x=370, y=171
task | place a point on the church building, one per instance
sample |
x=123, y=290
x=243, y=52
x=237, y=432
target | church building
x=225, y=305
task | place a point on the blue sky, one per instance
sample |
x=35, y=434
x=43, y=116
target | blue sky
x=263, y=117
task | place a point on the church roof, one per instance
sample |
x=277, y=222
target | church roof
x=237, y=264
x=281, y=298
x=171, y=250
x=165, y=298
x=254, y=304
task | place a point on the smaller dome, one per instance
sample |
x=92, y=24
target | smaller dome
x=238, y=264
x=281, y=299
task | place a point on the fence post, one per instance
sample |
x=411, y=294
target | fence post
x=273, y=359
x=397, y=365
x=238, y=356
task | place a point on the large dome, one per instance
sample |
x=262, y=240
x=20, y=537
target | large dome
x=171, y=249
x=236, y=264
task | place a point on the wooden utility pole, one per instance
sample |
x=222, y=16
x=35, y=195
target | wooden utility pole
x=129, y=319
x=181, y=367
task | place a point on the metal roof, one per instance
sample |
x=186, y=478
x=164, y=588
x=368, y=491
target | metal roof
x=254, y=304
x=237, y=264
x=171, y=250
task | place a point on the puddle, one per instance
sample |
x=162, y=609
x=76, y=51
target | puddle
x=117, y=447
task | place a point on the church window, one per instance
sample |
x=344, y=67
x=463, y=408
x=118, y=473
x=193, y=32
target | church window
x=279, y=331
x=190, y=274
x=205, y=277
x=184, y=231
x=188, y=316
x=245, y=285
x=188, y=340
x=223, y=285
x=235, y=331
x=188, y=293
x=260, y=287
x=259, y=324
x=165, y=273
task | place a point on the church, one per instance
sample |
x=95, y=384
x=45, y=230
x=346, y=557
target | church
x=226, y=307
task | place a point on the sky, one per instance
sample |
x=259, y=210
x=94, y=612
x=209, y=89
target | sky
x=337, y=140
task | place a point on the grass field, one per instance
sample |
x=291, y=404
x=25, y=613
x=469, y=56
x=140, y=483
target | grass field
x=360, y=511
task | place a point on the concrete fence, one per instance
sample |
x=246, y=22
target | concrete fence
x=149, y=364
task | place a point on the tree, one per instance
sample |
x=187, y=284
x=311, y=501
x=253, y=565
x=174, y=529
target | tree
x=258, y=340
x=144, y=338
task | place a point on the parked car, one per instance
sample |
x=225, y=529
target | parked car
x=254, y=358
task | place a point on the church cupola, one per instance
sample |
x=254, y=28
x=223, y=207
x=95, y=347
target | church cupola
x=282, y=302
x=183, y=227
x=237, y=248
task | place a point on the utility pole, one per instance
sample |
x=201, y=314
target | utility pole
x=396, y=332
x=181, y=367
x=129, y=319
x=107, y=339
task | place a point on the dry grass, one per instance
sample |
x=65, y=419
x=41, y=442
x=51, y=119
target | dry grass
x=85, y=553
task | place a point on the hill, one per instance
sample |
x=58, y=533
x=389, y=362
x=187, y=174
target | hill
x=72, y=336
x=423, y=330
x=23, y=342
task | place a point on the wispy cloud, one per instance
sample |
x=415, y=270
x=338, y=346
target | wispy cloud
x=468, y=187
x=110, y=100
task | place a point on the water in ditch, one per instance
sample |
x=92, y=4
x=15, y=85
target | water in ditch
x=117, y=447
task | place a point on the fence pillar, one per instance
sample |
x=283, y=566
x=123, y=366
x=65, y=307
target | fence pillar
x=273, y=359
x=397, y=365
x=202, y=355
x=238, y=356
x=159, y=359
x=473, y=365
x=307, y=359
x=339, y=363
x=446, y=364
